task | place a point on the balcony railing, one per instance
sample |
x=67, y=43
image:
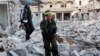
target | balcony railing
x=54, y=9
x=60, y=9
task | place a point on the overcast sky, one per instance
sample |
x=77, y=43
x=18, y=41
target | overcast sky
x=77, y=0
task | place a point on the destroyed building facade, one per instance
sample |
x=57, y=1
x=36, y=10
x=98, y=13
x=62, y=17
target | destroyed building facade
x=9, y=12
x=62, y=9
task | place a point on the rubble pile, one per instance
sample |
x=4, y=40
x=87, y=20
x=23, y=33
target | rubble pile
x=79, y=39
x=16, y=45
x=82, y=36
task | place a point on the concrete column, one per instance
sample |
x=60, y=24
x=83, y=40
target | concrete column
x=41, y=16
x=39, y=11
x=8, y=10
x=70, y=17
x=62, y=16
x=55, y=17
x=86, y=16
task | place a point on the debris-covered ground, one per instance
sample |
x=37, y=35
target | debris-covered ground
x=79, y=39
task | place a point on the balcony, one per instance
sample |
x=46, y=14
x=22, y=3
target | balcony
x=35, y=9
x=60, y=9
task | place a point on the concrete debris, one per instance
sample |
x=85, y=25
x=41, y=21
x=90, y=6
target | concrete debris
x=13, y=53
x=76, y=39
x=74, y=53
x=3, y=53
x=21, y=52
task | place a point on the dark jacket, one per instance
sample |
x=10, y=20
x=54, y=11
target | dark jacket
x=29, y=26
x=48, y=28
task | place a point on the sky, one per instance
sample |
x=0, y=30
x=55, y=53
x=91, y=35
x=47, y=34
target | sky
x=76, y=1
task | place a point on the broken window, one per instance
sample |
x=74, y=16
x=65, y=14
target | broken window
x=66, y=16
x=50, y=6
x=37, y=15
x=62, y=6
x=59, y=16
x=80, y=10
x=41, y=6
x=65, y=5
x=79, y=2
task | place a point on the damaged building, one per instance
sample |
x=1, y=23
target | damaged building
x=62, y=9
x=89, y=9
x=8, y=12
x=77, y=37
x=94, y=9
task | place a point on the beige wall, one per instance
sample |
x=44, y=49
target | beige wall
x=69, y=5
x=97, y=4
x=84, y=2
x=56, y=6
x=84, y=9
x=91, y=5
x=94, y=4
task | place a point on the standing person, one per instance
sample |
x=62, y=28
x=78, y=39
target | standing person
x=48, y=27
x=27, y=21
